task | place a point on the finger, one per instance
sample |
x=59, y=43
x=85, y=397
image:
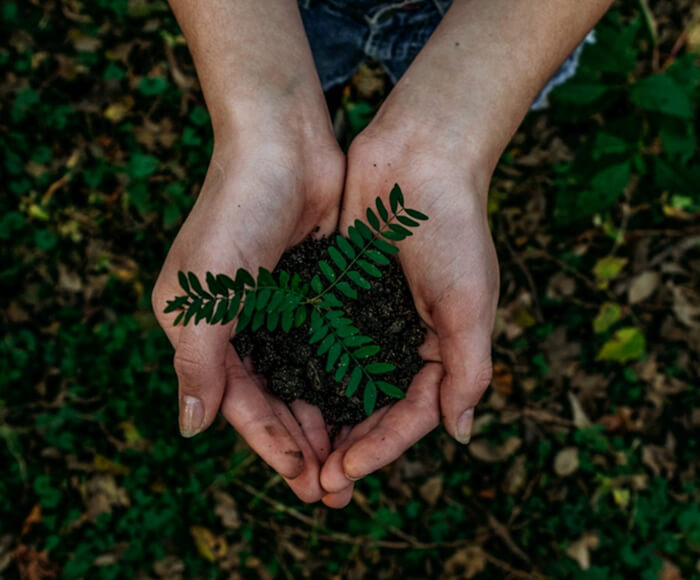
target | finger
x=200, y=365
x=467, y=361
x=249, y=411
x=333, y=478
x=429, y=351
x=340, y=499
x=406, y=422
x=313, y=426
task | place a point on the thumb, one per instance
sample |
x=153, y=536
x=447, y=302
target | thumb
x=200, y=364
x=466, y=358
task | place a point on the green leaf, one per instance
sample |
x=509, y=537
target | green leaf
x=369, y=397
x=385, y=247
x=662, y=94
x=330, y=300
x=276, y=300
x=379, y=368
x=364, y=230
x=347, y=290
x=334, y=314
x=395, y=198
x=152, y=86
x=300, y=316
x=333, y=355
x=243, y=277
x=366, y=351
x=141, y=166
x=284, y=279
x=196, y=286
x=175, y=304
x=318, y=334
x=192, y=310
x=608, y=315
x=205, y=312
x=345, y=247
x=258, y=320
x=328, y=272
x=391, y=390
x=626, y=344
x=273, y=319
x=353, y=341
x=347, y=331
x=287, y=320
x=355, y=378
x=579, y=93
x=359, y=279
x=372, y=219
x=356, y=237
x=415, y=214
x=381, y=209
x=226, y=282
x=265, y=277
x=220, y=312
x=400, y=230
x=247, y=312
x=607, y=268
x=338, y=258
x=233, y=308
x=184, y=284
x=377, y=257
x=213, y=285
x=369, y=268
x=393, y=236
x=316, y=284
x=407, y=222
x=178, y=318
x=326, y=343
x=342, y=367
x=263, y=297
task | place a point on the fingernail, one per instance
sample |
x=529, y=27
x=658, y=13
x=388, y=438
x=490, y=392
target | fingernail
x=191, y=416
x=352, y=478
x=464, y=426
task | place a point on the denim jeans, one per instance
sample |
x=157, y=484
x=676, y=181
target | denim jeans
x=344, y=33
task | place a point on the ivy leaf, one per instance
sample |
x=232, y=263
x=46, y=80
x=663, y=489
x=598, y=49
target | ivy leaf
x=369, y=398
x=379, y=368
x=391, y=390
x=355, y=379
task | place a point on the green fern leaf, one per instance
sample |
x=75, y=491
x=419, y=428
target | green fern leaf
x=407, y=222
x=258, y=320
x=328, y=272
x=369, y=268
x=213, y=286
x=300, y=316
x=196, y=286
x=333, y=355
x=395, y=198
x=338, y=258
x=400, y=230
x=273, y=319
x=379, y=368
x=355, y=378
x=184, y=284
x=356, y=236
x=233, y=307
x=191, y=310
x=353, y=341
x=247, y=312
x=391, y=390
x=262, y=297
x=178, y=318
x=385, y=247
x=175, y=304
x=330, y=301
x=342, y=367
x=347, y=290
x=326, y=343
x=377, y=257
x=220, y=312
x=393, y=236
x=284, y=279
x=369, y=397
x=359, y=279
x=366, y=351
x=243, y=278
x=347, y=331
x=316, y=284
x=318, y=334
x=276, y=300
x=227, y=282
x=364, y=230
x=287, y=320
x=381, y=209
x=265, y=278
x=373, y=219
x=416, y=214
x=345, y=247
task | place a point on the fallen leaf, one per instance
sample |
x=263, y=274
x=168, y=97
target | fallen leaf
x=566, y=461
x=102, y=463
x=579, y=415
x=227, y=510
x=607, y=268
x=431, y=490
x=170, y=568
x=483, y=450
x=628, y=343
x=669, y=571
x=580, y=549
x=209, y=546
x=643, y=286
x=34, y=565
x=103, y=494
x=466, y=562
x=34, y=517
x=502, y=381
x=516, y=476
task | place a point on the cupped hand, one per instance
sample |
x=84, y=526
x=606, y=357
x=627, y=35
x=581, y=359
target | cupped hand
x=452, y=270
x=258, y=199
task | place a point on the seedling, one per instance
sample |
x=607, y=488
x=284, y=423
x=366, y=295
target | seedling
x=284, y=301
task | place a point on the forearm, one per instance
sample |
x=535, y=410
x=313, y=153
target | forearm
x=476, y=77
x=254, y=63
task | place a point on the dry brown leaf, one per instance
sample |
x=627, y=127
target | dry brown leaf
x=103, y=494
x=170, y=568
x=210, y=546
x=516, y=476
x=431, y=490
x=643, y=286
x=34, y=565
x=227, y=510
x=579, y=415
x=466, y=562
x=34, y=517
x=566, y=461
x=669, y=571
x=580, y=550
x=502, y=381
x=482, y=450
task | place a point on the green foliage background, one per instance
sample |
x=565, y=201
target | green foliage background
x=587, y=443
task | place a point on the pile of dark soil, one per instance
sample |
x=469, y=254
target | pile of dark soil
x=386, y=313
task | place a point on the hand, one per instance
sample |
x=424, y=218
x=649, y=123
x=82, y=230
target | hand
x=260, y=197
x=451, y=267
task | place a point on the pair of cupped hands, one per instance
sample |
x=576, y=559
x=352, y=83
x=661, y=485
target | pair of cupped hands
x=269, y=188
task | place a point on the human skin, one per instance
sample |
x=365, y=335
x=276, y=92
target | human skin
x=439, y=135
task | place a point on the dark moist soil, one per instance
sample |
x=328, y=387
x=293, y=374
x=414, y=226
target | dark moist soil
x=385, y=313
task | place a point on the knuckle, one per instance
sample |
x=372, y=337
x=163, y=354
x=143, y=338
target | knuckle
x=483, y=376
x=188, y=366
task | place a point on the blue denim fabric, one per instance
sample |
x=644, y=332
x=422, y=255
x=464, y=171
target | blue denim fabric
x=344, y=33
